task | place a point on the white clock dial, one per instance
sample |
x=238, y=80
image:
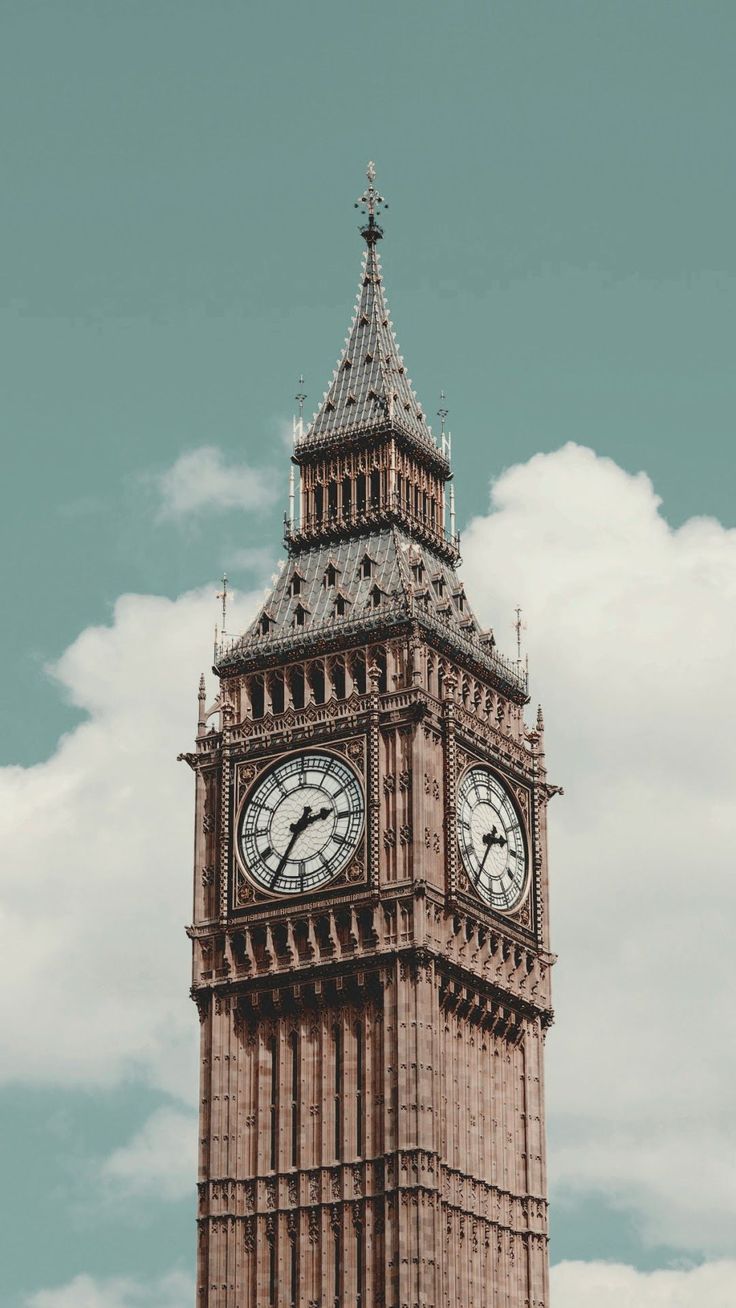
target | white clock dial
x=491, y=839
x=301, y=824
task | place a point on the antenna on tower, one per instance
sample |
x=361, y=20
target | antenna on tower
x=222, y=595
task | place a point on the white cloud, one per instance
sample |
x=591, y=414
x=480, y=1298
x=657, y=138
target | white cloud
x=201, y=479
x=611, y=1285
x=96, y=877
x=632, y=638
x=160, y=1161
x=170, y=1291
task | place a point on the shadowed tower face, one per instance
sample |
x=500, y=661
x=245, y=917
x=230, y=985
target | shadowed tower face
x=370, y=939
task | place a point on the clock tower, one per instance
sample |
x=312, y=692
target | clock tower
x=371, y=957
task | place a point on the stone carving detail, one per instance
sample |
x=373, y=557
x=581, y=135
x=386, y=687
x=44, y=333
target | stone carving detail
x=245, y=890
x=405, y=834
x=389, y=838
x=249, y=1234
x=247, y=772
x=431, y=786
x=208, y=875
x=208, y=822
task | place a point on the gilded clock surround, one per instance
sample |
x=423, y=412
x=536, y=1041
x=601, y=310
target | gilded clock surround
x=372, y=1106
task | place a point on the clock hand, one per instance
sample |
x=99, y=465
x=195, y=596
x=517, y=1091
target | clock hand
x=315, y=817
x=296, y=829
x=487, y=842
x=492, y=838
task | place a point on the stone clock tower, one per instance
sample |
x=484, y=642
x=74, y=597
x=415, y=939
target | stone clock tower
x=370, y=938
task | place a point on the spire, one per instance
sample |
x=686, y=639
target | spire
x=370, y=387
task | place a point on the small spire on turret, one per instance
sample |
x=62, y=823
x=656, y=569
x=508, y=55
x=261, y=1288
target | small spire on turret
x=442, y=413
x=201, y=701
x=370, y=203
x=300, y=397
x=519, y=626
x=445, y=436
x=222, y=595
x=291, y=496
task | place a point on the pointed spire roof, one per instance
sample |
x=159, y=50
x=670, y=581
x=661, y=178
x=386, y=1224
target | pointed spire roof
x=370, y=387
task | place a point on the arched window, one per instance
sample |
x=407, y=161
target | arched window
x=257, y=697
x=338, y=678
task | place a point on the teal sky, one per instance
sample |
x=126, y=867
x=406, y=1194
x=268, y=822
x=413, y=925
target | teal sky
x=178, y=242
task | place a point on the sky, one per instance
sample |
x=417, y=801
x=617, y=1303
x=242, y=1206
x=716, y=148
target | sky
x=179, y=244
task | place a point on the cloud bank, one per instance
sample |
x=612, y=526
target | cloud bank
x=612, y=1285
x=201, y=479
x=97, y=869
x=170, y=1291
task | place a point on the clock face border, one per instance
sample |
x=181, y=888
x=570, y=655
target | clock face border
x=286, y=896
x=525, y=894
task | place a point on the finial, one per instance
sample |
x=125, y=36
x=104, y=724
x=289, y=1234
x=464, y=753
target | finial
x=222, y=595
x=370, y=203
x=540, y=719
x=202, y=692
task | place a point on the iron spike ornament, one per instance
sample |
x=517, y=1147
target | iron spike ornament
x=370, y=203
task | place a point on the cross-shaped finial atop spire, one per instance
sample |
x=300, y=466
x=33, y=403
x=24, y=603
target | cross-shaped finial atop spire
x=370, y=203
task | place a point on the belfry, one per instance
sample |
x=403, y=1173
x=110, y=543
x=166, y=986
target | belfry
x=371, y=959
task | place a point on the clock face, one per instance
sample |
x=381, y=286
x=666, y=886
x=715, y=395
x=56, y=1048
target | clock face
x=491, y=839
x=301, y=824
